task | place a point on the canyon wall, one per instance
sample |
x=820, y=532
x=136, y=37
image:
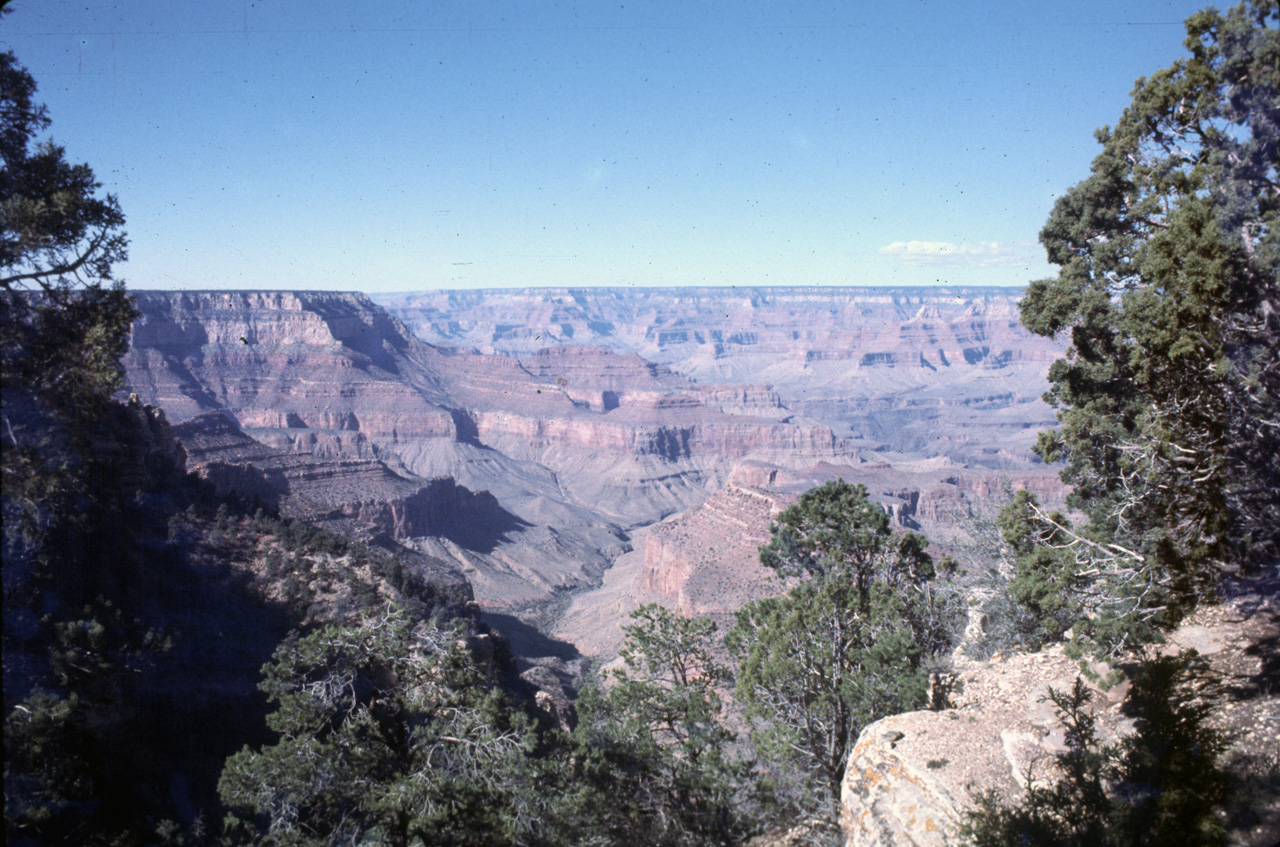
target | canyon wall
x=325, y=489
x=567, y=421
x=940, y=371
x=572, y=447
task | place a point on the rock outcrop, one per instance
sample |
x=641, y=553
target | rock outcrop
x=810, y=833
x=911, y=777
x=706, y=560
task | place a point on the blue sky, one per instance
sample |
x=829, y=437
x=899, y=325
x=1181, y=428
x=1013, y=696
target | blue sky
x=411, y=145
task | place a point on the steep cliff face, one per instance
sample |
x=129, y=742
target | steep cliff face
x=580, y=445
x=951, y=497
x=714, y=435
x=282, y=360
x=441, y=507
x=706, y=560
x=337, y=363
x=352, y=418
x=319, y=489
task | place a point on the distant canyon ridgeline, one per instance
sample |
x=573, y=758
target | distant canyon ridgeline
x=616, y=445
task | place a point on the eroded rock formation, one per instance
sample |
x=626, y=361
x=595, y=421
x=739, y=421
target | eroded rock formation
x=910, y=777
x=323, y=489
x=575, y=446
x=705, y=560
x=941, y=370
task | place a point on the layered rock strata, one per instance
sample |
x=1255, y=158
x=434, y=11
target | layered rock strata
x=706, y=560
x=336, y=362
x=934, y=370
x=577, y=445
x=320, y=489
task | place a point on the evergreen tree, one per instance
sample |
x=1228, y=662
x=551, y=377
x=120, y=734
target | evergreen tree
x=1161, y=786
x=64, y=319
x=64, y=324
x=1169, y=395
x=389, y=734
x=651, y=755
x=847, y=645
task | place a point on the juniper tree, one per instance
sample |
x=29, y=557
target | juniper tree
x=1168, y=398
x=388, y=734
x=1162, y=785
x=64, y=324
x=651, y=753
x=849, y=643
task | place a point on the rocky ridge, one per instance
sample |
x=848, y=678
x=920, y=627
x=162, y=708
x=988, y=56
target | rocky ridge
x=326, y=489
x=705, y=560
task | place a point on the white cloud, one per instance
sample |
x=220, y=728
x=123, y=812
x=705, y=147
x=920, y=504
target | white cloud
x=984, y=254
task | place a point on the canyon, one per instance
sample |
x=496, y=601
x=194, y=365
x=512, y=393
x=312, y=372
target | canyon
x=940, y=371
x=574, y=453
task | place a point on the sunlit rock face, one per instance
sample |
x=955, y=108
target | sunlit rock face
x=281, y=360
x=705, y=560
x=336, y=362
x=911, y=777
x=941, y=371
x=574, y=446
x=586, y=416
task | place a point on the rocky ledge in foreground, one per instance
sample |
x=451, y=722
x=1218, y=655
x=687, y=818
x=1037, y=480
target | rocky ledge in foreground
x=911, y=777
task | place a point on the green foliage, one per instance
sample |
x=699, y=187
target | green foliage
x=846, y=646
x=650, y=752
x=1163, y=785
x=1168, y=289
x=1047, y=582
x=1168, y=396
x=60, y=345
x=48, y=781
x=833, y=527
x=669, y=679
x=99, y=562
x=817, y=666
x=388, y=734
x=70, y=529
x=53, y=226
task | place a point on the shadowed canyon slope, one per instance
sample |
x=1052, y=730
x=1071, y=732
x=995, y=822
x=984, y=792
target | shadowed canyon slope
x=536, y=464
